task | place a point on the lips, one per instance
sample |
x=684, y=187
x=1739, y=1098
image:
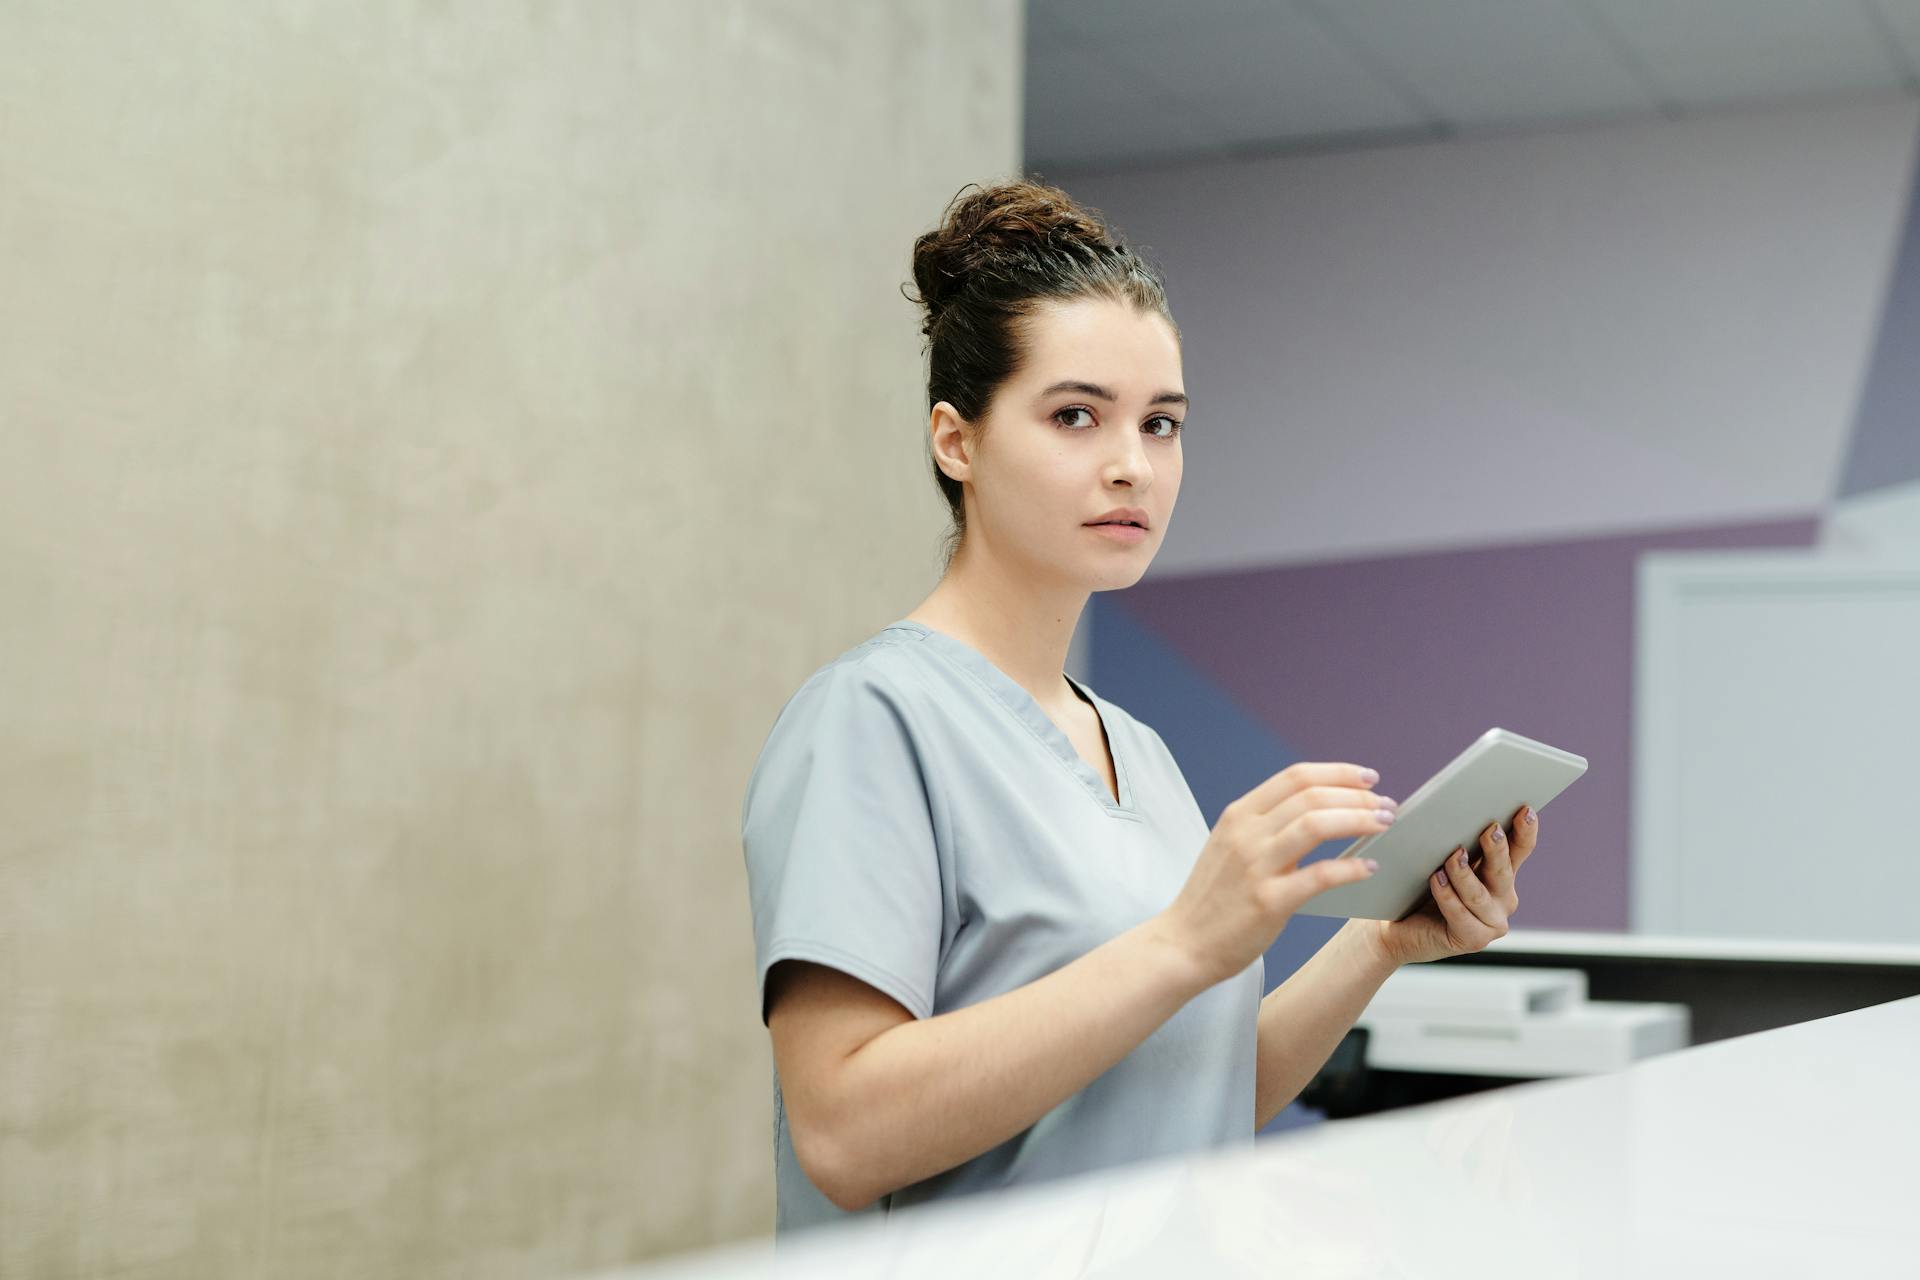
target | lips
x=1134, y=516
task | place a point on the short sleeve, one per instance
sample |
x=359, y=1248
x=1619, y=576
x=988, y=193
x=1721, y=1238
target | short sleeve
x=843, y=865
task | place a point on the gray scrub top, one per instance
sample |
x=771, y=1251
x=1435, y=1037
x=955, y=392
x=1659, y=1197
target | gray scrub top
x=916, y=820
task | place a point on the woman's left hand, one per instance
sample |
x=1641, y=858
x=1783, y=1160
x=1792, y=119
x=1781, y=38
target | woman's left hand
x=1467, y=909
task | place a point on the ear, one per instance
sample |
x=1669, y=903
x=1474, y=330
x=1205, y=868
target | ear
x=949, y=437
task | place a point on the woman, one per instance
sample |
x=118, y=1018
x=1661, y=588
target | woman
x=997, y=941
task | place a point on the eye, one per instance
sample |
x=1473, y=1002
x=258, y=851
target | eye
x=1166, y=432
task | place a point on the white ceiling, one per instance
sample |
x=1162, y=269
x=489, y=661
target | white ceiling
x=1117, y=82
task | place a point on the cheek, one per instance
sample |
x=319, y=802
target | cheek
x=1059, y=479
x=1036, y=489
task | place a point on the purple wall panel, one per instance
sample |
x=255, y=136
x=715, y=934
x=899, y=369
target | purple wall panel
x=1399, y=662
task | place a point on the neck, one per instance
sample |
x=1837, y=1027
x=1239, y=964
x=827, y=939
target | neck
x=1022, y=627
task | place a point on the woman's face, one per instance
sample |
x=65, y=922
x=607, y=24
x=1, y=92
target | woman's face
x=1089, y=423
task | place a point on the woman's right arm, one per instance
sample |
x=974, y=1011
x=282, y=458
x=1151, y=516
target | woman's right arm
x=877, y=1099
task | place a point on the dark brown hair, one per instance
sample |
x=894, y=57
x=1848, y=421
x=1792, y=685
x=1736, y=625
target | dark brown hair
x=996, y=254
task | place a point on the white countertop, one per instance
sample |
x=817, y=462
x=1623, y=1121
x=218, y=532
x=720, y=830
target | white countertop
x=1792, y=1152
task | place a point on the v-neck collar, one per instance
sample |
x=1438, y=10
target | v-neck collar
x=1021, y=704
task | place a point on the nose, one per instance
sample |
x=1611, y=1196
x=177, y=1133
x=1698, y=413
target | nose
x=1131, y=464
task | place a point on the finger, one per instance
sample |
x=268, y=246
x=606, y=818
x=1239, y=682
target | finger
x=1327, y=797
x=1462, y=880
x=1282, y=850
x=1464, y=924
x=1302, y=883
x=1471, y=891
x=1306, y=773
x=1526, y=834
x=1496, y=870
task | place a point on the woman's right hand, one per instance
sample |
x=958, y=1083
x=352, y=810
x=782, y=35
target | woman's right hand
x=1248, y=879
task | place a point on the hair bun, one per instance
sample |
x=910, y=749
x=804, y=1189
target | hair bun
x=999, y=230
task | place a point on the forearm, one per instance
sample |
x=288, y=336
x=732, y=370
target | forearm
x=930, y=1094
x=1303, y=1019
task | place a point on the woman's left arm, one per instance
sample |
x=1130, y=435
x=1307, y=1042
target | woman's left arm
x=1304, y=1019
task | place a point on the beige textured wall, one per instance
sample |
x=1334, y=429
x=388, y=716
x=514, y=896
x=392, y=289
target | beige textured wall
x=436, y=440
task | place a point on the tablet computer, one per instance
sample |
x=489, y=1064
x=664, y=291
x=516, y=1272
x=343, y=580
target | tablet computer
x=1482, y=785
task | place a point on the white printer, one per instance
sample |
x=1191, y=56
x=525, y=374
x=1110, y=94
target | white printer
x=1511, y=1021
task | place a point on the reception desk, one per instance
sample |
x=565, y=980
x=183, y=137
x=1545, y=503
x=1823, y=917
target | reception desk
x=1789, y=1152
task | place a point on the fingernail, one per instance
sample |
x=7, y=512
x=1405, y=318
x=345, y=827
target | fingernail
x=1369, y=776
x=1384, y=815
x=1372, y=866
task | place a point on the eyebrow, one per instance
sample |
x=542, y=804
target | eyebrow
x=1096, y=390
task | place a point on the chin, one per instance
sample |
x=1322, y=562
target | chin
x=1119, y=577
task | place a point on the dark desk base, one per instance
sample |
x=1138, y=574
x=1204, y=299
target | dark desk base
x=1725, y=997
